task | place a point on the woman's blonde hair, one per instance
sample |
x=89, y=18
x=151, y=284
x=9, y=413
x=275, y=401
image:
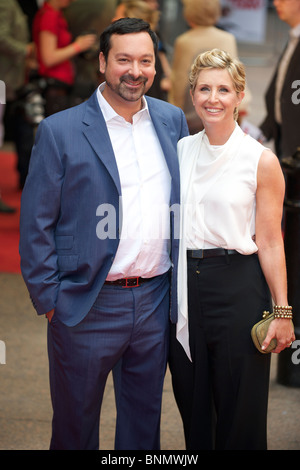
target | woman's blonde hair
x=137, y=9
x=201, y=12
x=218, y=59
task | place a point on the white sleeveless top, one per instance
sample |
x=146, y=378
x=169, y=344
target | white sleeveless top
x=218, y=202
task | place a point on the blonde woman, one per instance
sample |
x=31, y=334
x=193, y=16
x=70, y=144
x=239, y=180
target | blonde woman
x=231, y=263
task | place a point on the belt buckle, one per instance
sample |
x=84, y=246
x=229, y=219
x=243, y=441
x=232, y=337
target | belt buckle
x=130, y=279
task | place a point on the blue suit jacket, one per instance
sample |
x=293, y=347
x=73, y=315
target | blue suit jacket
x=72, y=172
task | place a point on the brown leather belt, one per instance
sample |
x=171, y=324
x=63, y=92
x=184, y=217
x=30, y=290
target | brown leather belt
x=209, y=253
x=129, y=281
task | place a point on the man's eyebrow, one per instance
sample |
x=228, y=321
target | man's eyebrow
x=125, y=54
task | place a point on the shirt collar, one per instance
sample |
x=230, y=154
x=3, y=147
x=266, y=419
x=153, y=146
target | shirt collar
x=109, y=113
x=295, y=32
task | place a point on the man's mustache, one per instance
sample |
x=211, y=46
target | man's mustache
x=130, y=78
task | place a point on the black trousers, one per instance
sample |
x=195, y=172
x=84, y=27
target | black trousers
x=223, y=394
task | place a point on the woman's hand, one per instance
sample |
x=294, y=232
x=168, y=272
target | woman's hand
x=85, y=42
x=52, y=55
x=283, y=331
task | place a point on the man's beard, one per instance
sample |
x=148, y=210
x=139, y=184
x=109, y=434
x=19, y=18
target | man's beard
x=125, y=91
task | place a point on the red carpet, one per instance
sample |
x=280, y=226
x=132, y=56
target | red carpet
x=9, y=223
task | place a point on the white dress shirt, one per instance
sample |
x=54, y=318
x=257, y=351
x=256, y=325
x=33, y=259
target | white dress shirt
x=222, y=195
x=145, y=186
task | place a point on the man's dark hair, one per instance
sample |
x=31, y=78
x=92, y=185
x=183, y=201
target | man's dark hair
x=126, y=26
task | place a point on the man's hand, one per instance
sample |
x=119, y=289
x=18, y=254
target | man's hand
x=49, y=315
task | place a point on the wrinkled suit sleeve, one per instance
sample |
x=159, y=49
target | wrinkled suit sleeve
x=40, y=206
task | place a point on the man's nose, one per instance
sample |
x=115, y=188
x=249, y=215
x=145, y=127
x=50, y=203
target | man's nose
x=135, y=70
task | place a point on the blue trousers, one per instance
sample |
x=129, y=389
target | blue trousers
x=128, y=327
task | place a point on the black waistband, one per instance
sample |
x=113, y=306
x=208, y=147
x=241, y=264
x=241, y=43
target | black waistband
x=209, y=253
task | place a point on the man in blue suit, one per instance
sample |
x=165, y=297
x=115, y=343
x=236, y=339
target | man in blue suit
x=99, y=245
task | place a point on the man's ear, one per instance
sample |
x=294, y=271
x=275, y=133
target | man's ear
x=102, y=63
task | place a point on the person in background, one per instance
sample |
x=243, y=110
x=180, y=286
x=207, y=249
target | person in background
x=99, y=244
x=30, y=9
x=163, y=55
x=55, y=51
x=136, y=9
x=154, y=4
x=202, y=35
x=282, y=96
x=17, y=59
x=231, y=263
x=88, y=16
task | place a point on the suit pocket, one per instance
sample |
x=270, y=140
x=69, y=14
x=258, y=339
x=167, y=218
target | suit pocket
x=67, y=262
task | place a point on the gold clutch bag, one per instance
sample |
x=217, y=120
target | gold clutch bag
x=259, y=333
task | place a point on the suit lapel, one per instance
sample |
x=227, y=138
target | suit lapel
x=98, y=137
x=293, y=65
x=163, y=133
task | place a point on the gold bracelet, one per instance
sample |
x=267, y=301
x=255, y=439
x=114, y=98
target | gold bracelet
x=283, y=312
